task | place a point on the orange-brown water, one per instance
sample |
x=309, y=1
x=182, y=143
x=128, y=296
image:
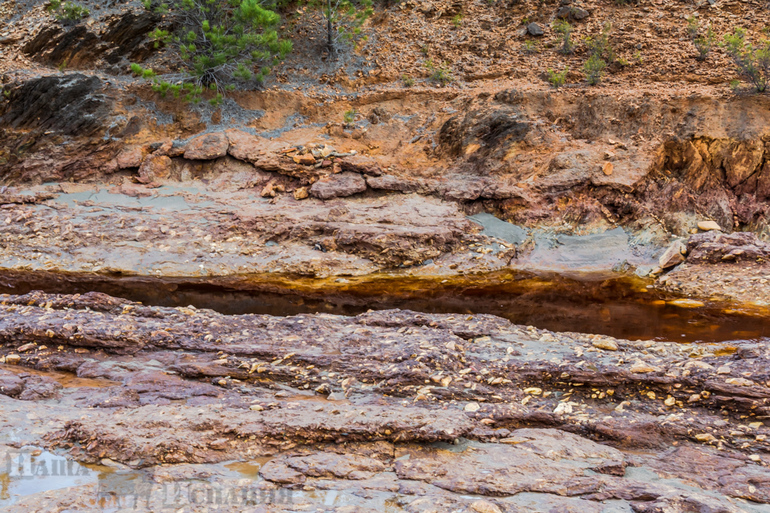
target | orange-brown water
x=622, y=307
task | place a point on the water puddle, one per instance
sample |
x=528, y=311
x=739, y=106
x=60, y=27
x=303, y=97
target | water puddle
x=164, y=198
x=248, y=469
x=29, y=471
x=112, y=487
x=65, y=379
x=620, y=307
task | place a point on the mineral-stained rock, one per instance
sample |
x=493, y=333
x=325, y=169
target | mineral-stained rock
x=673, y=256
x=207, y=147
x=492, y=130
x=244, y=146
x=301, y=193
x=740, y=160
x=338, y=186
x=508, y=469
x=131, y=156
x=397, y=425
x=393, y=183
x=304, y=160
x=361, y=164
x=715, y=247
x=763, y=182
x=10, y=384
x=280, y=472
x=348, y=466
x=155, y=167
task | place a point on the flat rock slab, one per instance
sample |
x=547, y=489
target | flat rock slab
x=227, y=229
x=376, y=406
x=338, y=186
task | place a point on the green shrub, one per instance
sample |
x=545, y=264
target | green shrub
x=693, y=27
x=67, y=11
x=530, y=47
x=440, y=74
x=349, y=116
x=217, y=43
x=600, y=52
x=703, y=44
x=457, y=20
x=557, y=78
x=600, y=45
x=703, y=41
x=594, y=69
x=160, y=8
x=753, y=62
x=565, y=29
x=407, y=80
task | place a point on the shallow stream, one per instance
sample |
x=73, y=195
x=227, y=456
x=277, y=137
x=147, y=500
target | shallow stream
x=622, y=307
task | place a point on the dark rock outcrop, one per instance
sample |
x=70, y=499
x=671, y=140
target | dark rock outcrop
x=70, y=104
x=79, y=45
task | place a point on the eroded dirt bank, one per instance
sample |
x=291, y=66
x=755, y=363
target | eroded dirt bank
x=388, y=407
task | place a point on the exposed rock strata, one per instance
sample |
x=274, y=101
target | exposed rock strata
x=350, y=402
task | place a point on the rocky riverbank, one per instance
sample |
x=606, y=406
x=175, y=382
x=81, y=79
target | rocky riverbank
x=364, y=181
x=528, y=418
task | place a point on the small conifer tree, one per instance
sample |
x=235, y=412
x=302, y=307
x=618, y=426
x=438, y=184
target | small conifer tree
x=217, y=43
x=343, y=19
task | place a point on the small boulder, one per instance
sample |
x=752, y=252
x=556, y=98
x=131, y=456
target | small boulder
x=207, y=147
x=707, y=226
x=271, y=189
x=533, y=29
x=673, y=256
x=304, y=160
x=338, y=186
x=643, y=368
x=482, y=506
x=574, y=13
x=361, y=164
x=130, y=157
x=301, y=193
x=155, y=167
x=244, y=146
x=579, y=14
x=607, y=344
x=472, y=407
x=10, y=384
